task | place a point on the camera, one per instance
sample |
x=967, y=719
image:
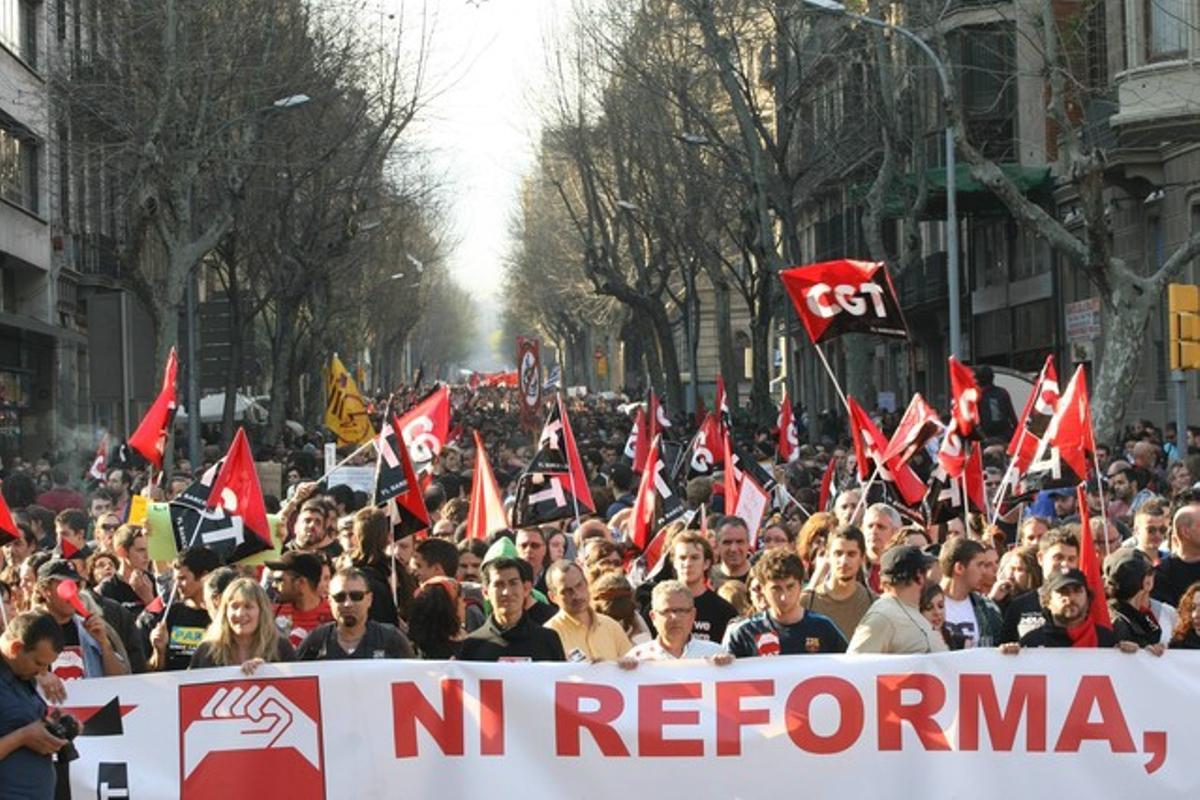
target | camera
x=64, y=726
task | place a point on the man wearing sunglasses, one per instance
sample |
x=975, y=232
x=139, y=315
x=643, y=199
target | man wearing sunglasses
x=352, y=635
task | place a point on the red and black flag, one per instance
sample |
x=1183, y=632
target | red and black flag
x=637, y=446
x=396, y=482
x=1068, y=446
x=704, y=453
x=657, y=503
x=869, y=446
x=844, y=296
x=1039, y=409
x=150, y=438
x=557, y=454
x=944, y=499
x=187, y=510
x=235, y=505
x=919, y=424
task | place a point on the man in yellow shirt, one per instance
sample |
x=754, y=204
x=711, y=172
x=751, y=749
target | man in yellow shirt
x=586, y=634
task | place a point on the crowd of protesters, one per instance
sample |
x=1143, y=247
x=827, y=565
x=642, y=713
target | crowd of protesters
x=860, y=577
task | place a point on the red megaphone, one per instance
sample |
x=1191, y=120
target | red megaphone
x=69, y=591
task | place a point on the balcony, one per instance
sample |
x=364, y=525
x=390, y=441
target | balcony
x=1158, y=102
x=95, y=255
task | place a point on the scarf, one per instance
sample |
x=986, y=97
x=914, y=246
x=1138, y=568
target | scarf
x=1084, y=635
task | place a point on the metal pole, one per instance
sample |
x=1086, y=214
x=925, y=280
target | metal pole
x=194, y=454
x=1180, y=379
x=952, y=276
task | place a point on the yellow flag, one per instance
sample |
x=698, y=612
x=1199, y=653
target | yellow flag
x=345, y=409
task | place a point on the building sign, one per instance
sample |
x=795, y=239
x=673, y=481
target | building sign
x=1082, y=320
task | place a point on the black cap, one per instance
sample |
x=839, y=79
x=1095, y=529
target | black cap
x=1126, y=568
x=306, y=565
x=58, y=568
x=904, y=562
x=1059, y=579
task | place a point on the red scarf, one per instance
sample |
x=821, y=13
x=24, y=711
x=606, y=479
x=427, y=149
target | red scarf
x=1084, y=634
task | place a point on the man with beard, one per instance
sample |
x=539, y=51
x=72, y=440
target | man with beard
x=352, y=635
x=1065, y=603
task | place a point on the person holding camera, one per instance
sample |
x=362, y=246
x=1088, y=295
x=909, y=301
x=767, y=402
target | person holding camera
x=28, y=646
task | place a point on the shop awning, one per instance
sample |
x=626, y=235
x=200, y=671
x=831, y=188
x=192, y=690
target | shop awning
x=974, y=199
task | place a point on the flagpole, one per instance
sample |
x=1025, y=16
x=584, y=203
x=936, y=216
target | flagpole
x=966, y=501
x=1100, y=491
x=790, y=500
x=190, y=544
x=387, y=416
x=837, y=386
x=369, y=443
x=862, y=500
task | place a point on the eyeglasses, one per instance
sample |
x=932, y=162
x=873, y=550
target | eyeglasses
x=352, y=596
x=674, y=612
x=1159, y=529
x=109, y=527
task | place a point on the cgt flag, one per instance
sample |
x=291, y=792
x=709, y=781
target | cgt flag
x=426, y=427
x=657, y=504
x=838, y=297
x=1035, y=417
x=396, y=480
x=236, y=496
x=150, y=438
x=1068, y=447
x=345, y=410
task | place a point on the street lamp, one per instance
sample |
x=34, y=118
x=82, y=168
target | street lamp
x=952, y=281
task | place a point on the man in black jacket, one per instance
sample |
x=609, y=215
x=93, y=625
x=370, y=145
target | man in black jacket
x=1066, y=602
x=509, y=633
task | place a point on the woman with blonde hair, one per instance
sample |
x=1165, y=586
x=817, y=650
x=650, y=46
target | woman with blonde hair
x=243, y=631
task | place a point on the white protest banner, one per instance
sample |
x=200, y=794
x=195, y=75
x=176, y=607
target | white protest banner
x=360, y=479
x=1095, y=723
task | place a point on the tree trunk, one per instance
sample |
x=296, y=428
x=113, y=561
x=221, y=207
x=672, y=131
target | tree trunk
x=669, y=360
x=761, y=407
x=726, y=356
x=233, y=378
x=282, y=345
x=1124, y=334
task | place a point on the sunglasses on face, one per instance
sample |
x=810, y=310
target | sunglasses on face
x=352, y=596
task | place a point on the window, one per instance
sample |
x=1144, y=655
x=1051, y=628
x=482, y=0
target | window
x=18, y=170
x=1166, y=29
x=18, y=28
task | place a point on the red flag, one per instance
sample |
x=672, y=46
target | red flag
x=150, y=438
x=964, y=393
x=9, y=532
x=1089, y=562
x=236, y=490
x=410, y=503
x=579, y=485
x=99, y=467
x=653, y=557
x=1068, y=438
x=731, y=480
x=641, y=522
x=826, y=485
x=789, y=442
x=722, y=403
x=837, y=297
x=1039, y=408
x=640, y=435
x=952, y=454
x=426, y=426
x=919, y=424
x=486, y=512
x=976, y=492
x=713, y=440
x=869, y=445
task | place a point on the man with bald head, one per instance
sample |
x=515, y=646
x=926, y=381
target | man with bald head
x=1181, y=567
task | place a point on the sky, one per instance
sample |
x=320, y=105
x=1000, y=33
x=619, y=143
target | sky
x=479, y=127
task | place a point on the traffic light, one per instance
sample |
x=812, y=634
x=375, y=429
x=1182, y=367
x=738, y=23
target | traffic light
x=1183, y=303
